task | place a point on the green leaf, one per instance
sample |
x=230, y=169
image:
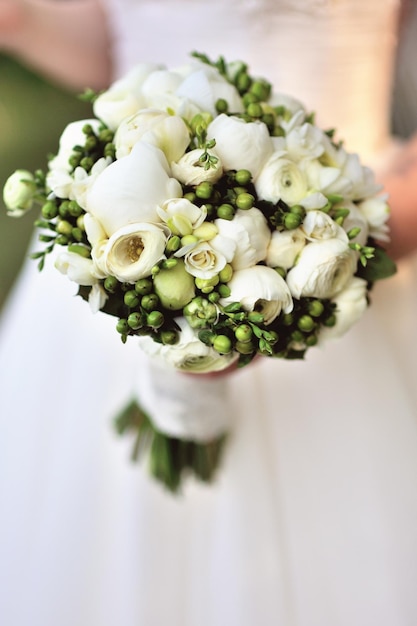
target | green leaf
x=378, y=267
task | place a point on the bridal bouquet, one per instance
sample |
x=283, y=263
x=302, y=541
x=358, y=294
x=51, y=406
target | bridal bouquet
x=213, y=219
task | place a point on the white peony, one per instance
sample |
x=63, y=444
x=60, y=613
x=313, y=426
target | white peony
x=262, y=288
x=281, y=179
x=323, y=269
x=250, y=232
x=167, y=132
x=124, y=97
x=189, y=354
x=189, y=170
x=130, y=189
x=132, y=251
x=351, y=304
x=240, y=144
x=284, y=248
x=204, y=86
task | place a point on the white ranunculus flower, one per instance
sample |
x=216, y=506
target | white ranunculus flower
x=304, y=141
x=317, y=226
x=240, y=144
x=205, y=85
x=362, y=178
x=130, y=189
x=326, y=179
x=189, y=354
x=284, y=248
x=376, y=211
x=355, y=219
x=262, y=288
x=189, y=170
x=181, y=216
x=281, y=179
x=250, y=232
x=323, y=269
x=18, y=193
x=167, y=132
x=206, y=259
x=132, y=251
x=76, y=267
x=351, y=303
x=124, y=97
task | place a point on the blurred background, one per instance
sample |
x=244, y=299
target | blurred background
x=34, y=112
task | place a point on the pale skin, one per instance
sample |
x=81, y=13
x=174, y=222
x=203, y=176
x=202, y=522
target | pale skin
x=68, y=42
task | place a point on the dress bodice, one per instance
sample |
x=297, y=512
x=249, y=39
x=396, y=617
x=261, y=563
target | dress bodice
x=336, y=56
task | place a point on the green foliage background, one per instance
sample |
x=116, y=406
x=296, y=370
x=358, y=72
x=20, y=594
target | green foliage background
x=33, y=114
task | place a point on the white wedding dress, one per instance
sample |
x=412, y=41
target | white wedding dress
x=312, y=520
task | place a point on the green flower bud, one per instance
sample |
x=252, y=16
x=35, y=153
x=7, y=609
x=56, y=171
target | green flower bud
x=213, y=296
x=187, y=240
x=122, y=327
x=74, y=208
x=245, y=201
x=306, y=323
x=175, y=287
x=64, y=208
x=243, y=177
x=244, y=347
x=200, y=313
x=261, y=89
x=292, y=220
x=131, y=299
x=243, y=82
x=151, y=301
x=206, y=231
x=110, y=284
x=77, y=234
x=190, y=196
x=18, y=193
x=204, y=190
x=169, y=264
x=206, y=285
x=297, y=209
x=169, y=337
x=64, y=228
x=244, y=333
x=80, y=249
x=135, y=320
x=225, y=275
x=222, y=106
x=255, y=317
x=311, y=340
x=224, y=291
x=225, y=211
x=155, y=319
x=144, y=286
x=173, y=244
x=222, y=344
x=49, y=210
x=315, y=308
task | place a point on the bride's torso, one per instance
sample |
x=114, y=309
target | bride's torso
x=336, y=56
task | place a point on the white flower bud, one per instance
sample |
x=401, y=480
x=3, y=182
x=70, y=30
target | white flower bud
x=18, y=193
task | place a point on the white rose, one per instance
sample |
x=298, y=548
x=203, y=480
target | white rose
x=281, y=179
x=376, y=211
x=323, y=269
x=249, y=230
x=18, y=193
x=181, y=216
x=189, y=170
x=240, y=144
x=130, y=189
x=167, y=132
x=78, y=269
x=260, y=287
x=124, y=97
x=206, y=259
x=132, y=251
x=189, y=354
x=284, y=248
x=351, y=304
x=317, y=226
x=205, y=86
